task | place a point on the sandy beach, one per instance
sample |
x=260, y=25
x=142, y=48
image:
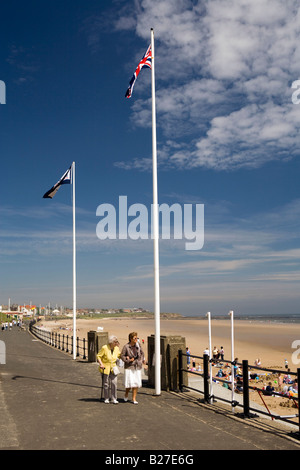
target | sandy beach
x=271, y=342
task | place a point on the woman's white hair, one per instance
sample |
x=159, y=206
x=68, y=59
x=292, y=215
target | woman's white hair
x=112, y=338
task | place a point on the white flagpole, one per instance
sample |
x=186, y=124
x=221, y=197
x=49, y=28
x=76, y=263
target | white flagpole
x=209, y=346
x=232, y=358
x=74, y=265
x=155, y=228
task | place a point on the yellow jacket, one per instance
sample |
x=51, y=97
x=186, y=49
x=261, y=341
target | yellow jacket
x=108, y=358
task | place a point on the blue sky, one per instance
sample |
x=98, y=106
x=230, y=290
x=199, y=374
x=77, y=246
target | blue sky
x=227, y=137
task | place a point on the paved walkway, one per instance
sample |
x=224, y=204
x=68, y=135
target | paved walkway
x=49, y=401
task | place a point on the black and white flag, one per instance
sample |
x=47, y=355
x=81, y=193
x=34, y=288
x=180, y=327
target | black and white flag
x=65, y=179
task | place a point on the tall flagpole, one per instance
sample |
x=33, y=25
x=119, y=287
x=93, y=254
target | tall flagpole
x=74, y=264
x=210, y=355
x=155, y=228
x=232, y=358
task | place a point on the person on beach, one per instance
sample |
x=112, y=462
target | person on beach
x=287, y=378
x=269, y=389
x=257, y=362
x=107, y=358
x=293, y=389
x=188, y=357
x=280, y=382
x=215, y=354
x=239, y=385
x=133, y=357
x=222, y=353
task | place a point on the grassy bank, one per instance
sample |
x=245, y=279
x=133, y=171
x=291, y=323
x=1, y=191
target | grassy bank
x=4, y=317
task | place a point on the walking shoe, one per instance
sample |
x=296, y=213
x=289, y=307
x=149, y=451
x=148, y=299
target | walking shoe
x=114, y=401
x=125, y=399
x=106, y=400
x=135, y=402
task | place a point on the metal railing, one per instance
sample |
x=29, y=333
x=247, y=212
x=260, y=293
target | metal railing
x=245, y=387
x=62, y=342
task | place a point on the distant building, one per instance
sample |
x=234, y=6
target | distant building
x=27, y=310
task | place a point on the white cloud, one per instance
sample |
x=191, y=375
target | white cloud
x=224, y=71
x=249, y=137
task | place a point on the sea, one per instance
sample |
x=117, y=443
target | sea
x=273, y=318
x=266, y=318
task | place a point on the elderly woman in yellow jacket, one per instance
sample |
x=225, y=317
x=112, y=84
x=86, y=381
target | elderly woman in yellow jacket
x=107, y=358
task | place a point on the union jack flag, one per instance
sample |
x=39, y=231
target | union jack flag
x=145, y=62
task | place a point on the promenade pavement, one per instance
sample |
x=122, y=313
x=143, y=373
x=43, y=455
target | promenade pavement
x=51, y=402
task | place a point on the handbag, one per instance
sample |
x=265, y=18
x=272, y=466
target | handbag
x=116, y=370
x=120, y=363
